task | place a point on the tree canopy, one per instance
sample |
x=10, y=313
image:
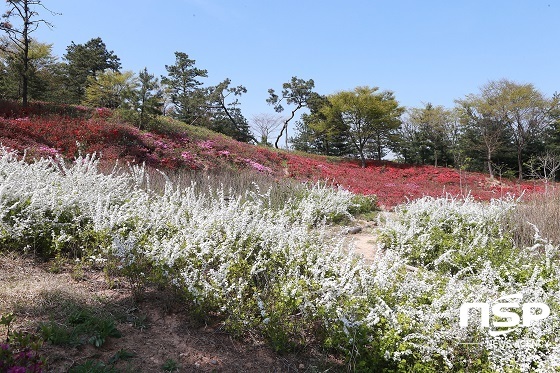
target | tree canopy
x=85, y=61
x=297, y=92
x=187, y=93
x=371, y=118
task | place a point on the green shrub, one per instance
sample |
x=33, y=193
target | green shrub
x=363, y=204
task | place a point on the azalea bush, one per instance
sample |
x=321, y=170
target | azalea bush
x=277, y=270
x=47, y=130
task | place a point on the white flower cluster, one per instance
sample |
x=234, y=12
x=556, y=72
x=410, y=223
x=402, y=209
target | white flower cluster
x=433, y=296
x=277, y=270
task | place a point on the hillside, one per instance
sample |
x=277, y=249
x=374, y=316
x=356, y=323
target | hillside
x=92, y=257
x=44, y=130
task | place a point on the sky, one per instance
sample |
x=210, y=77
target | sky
x=431, y=51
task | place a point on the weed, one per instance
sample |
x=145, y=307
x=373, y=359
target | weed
x=121, y=354
x=170, y=365
x=81, y=326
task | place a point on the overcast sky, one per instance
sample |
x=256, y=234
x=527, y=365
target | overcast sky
x=423, y=51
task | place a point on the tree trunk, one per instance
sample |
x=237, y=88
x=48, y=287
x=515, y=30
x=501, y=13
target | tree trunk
x=284, y=127
x=519, y=164
x=26, y=40
x=489, y=161
x=362, y=158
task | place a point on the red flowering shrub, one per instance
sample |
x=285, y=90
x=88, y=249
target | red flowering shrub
x=176, y=145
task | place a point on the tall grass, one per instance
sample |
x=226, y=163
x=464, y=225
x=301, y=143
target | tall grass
x=208, y=183
x=537, y=217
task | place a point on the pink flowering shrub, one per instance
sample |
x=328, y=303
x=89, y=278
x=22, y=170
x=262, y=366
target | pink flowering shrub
x=257, y=166
x=206, y=145
x=20, y=352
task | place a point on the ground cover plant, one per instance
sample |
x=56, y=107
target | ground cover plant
x=272, y=269
x=47, y=130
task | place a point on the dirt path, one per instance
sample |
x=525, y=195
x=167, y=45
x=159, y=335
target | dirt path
x=365, y=241
x=365, y=244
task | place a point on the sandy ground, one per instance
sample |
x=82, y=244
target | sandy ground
x=365, y=244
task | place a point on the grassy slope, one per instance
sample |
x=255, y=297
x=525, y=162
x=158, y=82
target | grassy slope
x=47, y=130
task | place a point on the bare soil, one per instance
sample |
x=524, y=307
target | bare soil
x=365, y=242
x=155, y=329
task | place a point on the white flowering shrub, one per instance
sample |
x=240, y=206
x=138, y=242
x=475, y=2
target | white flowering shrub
x=463, y=256
x=277, y=271
x=320, y=202
x=451, y=235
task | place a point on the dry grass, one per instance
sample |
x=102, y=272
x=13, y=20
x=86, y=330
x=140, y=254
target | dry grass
x=232, y=183
x=31, y=292
x=540, y=210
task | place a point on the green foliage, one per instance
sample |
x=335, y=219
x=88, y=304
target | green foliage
x=226, y=116
x=371, y=118
x=148, y=101
x=110, y=89
x=54, y=234
x=136, y=267
x=363, y=204
x=431, y=135
x=121, y=354
x=297, y=92
x=451, y=242
x=44, y=73
x=19, y=46
x=506, y=116
x=87, y=60
x=21, y=350
x=186, y=92
x=318, y=134
x=81, y=326
x=170, y=365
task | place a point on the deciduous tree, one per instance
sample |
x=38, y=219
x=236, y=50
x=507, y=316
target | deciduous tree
x=525, y=110
x=264, y=125
x=25, y=13
x=482, y=127
x=369, y=116
x=45, y=74
x=506, y=111
x=326, y=135
x=111, y=89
